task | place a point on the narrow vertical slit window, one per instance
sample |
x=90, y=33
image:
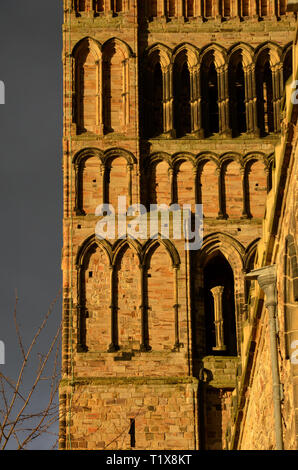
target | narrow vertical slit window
x=132, y=432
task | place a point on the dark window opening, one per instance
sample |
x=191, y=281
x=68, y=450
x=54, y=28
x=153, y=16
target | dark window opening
x=245, y=7
x=81, y=5
x=189, y=8
x=226, y=12
x=208, y=8
x=282, y=7
x=132, y=432
x=182, y=110
x=287, y=66
x=98, y=6
x=118, y=6
x=171, y=10
x=156, y=117
x=265, y=99
x=237, y=100
x=263, y=8
x=211, y=112
x=218, y=272
x=153, y=12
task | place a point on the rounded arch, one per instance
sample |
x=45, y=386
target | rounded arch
x=244, y=50
x=202, y=157
x=115, y=152
x=159, y=53
x=85, y=153
x=120, y=44
x=191, y=54
x=253, y=156
x=180, y=157
x=157, y=157
x=93, y=45
x=213, y=53
x=227, y=157
x=169, y=246
x=273, y=50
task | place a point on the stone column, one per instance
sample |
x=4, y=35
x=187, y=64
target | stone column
x=218, y=318
x=168, y=126
x=266, y=278
x=277, y=87
x=223, y=101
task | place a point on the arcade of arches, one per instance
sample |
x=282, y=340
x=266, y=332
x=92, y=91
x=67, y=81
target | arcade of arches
x=166, y=102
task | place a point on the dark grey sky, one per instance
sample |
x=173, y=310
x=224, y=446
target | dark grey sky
x=30, y=168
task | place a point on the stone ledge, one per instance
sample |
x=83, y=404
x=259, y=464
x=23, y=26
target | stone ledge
x=129, y=380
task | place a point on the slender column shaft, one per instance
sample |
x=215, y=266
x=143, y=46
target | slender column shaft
x=218, y=318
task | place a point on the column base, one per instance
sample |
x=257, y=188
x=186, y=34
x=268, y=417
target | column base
x=113, y=348
x=177, y=347
x=81, y=348
x=219, y=348
x=221, y=217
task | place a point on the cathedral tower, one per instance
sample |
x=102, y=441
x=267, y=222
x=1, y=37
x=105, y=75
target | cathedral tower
x=165, y=102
